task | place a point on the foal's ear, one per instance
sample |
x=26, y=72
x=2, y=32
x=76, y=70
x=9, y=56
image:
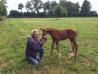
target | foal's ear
x=42, y=29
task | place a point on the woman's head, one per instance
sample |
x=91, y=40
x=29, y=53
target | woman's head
x=34, y=33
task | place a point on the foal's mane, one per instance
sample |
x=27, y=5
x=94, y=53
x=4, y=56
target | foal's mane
x=51, y=29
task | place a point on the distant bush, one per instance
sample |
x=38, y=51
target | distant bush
x=93, y=13
x=14, y=13
x=29, y=14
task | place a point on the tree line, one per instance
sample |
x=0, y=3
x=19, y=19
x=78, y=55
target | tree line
x=38, y=8
x=3, y=10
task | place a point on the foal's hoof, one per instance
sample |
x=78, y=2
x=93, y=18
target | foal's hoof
x=71, y=55
x=59, y=55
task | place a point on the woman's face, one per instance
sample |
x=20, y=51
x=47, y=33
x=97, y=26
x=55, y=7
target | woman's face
x=35, y=34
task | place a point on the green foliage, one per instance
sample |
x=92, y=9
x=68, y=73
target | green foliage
x=86, y=7
x=93, y=13
x=76, y=9
x=49, y=8
x=3, y=10
x=59, y=11
x=47, y=5
x=20, y=6
x=53, y=4
x=63, y=3
x=73, y=9
x=28, y=6
x=14, y=13
x=37, y=5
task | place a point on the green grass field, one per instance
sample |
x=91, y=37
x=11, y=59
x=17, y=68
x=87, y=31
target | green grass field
x=13, y=34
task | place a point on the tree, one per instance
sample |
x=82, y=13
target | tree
x=28, y=6
x=4, y=1
x=3, y=10
x=93, y=13
x=51, y=9
x=76, y=9
x=63, y=3
x=52, y=6
x=29, y=14
x=20, y=6
x=73, y=9
x=60, y=11
x=37, y=5
x=86, y=7
x=14, y=13
x=69, y=6
x=47, y=6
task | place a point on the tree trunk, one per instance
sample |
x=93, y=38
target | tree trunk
x=37, y=12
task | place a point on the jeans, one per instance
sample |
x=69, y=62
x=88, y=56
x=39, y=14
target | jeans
x=37, y=59
x=33, y=60
x=41, y=52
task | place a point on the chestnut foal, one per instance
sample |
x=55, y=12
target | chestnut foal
x=58, y=35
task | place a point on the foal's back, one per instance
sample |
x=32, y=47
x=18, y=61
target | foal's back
x=62, y=34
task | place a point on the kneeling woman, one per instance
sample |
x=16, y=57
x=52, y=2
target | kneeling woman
x=34, y=51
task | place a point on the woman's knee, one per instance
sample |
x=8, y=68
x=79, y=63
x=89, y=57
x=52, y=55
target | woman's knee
x=33, y=60
x=41, y=50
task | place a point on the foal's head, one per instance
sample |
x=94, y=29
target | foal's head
x=44, y=33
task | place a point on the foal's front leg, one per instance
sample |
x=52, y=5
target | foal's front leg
x=57, y=47
x=71, y=51
x=74, y=48
x=52, y=47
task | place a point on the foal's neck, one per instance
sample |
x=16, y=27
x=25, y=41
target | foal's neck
x=50, y=33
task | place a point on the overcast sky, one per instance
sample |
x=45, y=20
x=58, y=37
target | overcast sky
x=13, y=4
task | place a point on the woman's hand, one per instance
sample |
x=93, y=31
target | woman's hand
x=44, y=39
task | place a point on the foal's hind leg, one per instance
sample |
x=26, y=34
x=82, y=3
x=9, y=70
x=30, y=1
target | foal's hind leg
x=52, y=47
x=74, y=46
x=57, y=47
x=71, y=52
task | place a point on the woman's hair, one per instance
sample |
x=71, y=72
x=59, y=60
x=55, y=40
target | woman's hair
x=34, y=30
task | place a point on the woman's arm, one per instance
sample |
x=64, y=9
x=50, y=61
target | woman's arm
x=31, y=44
x=43, y=41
